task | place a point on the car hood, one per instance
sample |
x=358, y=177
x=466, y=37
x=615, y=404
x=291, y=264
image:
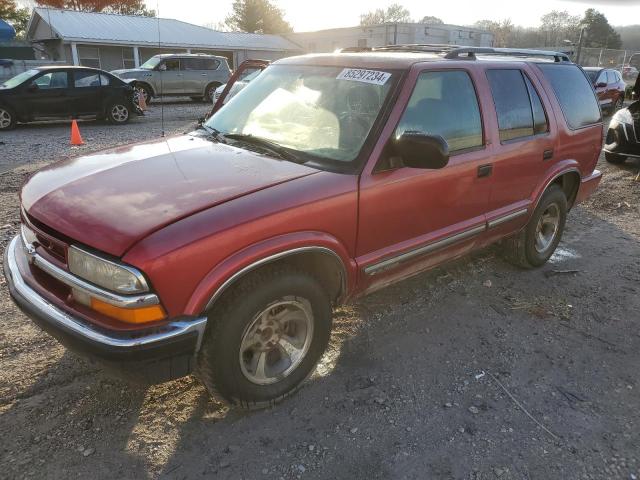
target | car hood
x=110, y=200
x=130, y=71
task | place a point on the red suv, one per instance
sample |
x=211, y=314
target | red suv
x=329, y=176
x=609, y=86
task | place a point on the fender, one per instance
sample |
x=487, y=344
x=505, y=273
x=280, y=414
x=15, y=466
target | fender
x=223, y=275
x=559, y=169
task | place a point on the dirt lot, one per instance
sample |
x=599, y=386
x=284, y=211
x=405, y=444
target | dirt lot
x=476, y=370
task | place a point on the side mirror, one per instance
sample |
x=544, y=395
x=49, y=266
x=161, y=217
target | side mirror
x=33, y=88
x=601, y=84
x=419, y=150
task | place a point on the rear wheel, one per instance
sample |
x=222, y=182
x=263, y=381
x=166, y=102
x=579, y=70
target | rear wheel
x=7, y=118
x=535, y=244
x=265, y=337
x=614, y=158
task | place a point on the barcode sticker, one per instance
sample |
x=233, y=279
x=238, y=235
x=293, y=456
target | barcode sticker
x=374, y=77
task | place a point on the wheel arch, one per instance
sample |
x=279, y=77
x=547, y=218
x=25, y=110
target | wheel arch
x=568, y=179
x=147, y=85
x=325, y=258
x=213, y=83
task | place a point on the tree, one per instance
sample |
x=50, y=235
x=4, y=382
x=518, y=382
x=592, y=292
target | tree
x=502, y=31
x=122, y=7
x=18, y=18
x=558, y=26
x=395, y=13
x=257, y=16
x=598, y=31
x=431, y=21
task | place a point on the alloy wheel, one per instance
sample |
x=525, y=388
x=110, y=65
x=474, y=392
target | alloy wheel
x=277, y=341
x=119, y=113
x=547, y=228
x=5, y=118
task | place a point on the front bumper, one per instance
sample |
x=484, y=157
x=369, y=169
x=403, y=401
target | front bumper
x=149, y=355
x=621, y=140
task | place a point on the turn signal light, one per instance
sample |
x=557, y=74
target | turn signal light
x=129, y=315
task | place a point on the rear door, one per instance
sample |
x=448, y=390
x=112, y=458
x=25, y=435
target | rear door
x=86, y=94
x=171, y=78
x=47, y=95
x=524, y=145
x=194, y=75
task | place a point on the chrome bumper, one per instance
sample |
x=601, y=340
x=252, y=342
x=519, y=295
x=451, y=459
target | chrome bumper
x=44, y=312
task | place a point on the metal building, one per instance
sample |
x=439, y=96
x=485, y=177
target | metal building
x=111, y=42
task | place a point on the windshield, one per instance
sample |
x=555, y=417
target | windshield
x=20, y=78
x=151, y=63
x=325, y=112
x=593, y=75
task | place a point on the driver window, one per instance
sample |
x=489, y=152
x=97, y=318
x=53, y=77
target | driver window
x=172, y=65
x=52, y=80
x=602, y=78
x=445, y=104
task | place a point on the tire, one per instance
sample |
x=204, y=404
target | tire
x=614, y=158
x=619, y=103
x=229, y=360
x=526, y=249
x=8, y=118
x=209, y=91
x=147, y=93
x=118, y=113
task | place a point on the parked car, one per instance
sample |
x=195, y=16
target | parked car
x=609, y=86
x=331, y=176
x=629, y=72
x=623, y=135
x=64, y=92
x=237, y=86
x=190, y=75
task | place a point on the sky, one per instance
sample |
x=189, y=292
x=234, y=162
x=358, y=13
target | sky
x=306, y=15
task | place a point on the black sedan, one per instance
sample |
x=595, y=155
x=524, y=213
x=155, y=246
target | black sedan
x=65, y=92
x=623, y=135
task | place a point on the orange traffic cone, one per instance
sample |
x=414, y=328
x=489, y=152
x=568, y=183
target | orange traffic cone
x=76, y=138
x=141, y=101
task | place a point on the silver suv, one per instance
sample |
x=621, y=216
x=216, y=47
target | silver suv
x=191, y=75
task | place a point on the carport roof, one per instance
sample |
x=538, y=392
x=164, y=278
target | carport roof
x=108, y=28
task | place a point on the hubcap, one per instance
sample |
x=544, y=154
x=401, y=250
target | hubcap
x=547, y=228
x=120, y=113
x=5, y=118
x=276, y=341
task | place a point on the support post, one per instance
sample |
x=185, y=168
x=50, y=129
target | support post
x=74, y=53
x=136, y=57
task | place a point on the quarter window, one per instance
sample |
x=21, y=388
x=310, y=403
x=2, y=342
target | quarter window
x=445, y=104
x=512, y=102
x=574, y=93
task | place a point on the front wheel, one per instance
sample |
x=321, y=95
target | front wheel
x=209, y=92
x=614, y=158
x=265, y=337
x=118, y=113
x=535, y=244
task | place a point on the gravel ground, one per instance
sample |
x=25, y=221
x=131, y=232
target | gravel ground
x=47, y=141
x=476, y=370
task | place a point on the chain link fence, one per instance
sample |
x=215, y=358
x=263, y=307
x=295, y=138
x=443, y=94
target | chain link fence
x=627, y=62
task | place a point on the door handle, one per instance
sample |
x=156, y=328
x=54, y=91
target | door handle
x=204, y=74
x=485, y=170
x=547, y=154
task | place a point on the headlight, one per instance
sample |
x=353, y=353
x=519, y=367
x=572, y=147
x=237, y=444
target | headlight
x=622, y=116
x=107, y=274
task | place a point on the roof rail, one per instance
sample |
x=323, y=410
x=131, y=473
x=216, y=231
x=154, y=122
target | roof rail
x=457, y=52
x=508, y=52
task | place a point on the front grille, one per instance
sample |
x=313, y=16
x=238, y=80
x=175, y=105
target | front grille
x=49, y=242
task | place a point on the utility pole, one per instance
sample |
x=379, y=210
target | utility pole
x=580, y=40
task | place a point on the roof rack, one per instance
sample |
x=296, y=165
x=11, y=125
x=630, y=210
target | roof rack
x=457, y=52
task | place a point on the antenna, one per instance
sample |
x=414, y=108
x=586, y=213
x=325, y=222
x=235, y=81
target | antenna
x=161, y=72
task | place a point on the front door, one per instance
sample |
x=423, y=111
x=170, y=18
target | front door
x=47, y=95
x=195, y=75
x=409, y=218
x=86, y=94
x=171, y=78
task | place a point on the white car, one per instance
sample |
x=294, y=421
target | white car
x=250, y=74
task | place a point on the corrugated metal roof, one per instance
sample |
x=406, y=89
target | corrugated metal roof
x=137, y=30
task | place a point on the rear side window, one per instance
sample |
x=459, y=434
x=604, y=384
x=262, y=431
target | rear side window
x=574, y=93
x=445, y=104
x=211, y=64
x=86, y=79
x=513, y=106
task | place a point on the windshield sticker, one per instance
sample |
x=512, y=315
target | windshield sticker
x=366, y=76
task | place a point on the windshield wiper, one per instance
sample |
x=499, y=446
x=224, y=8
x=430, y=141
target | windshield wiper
x=216, y=134
x=279, y=150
